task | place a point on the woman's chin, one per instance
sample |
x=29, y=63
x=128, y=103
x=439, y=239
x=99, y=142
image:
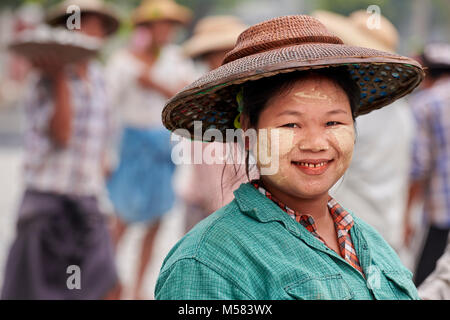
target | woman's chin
x=310, y=189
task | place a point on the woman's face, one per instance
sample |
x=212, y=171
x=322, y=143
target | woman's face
x=161, y=32
x=93, y=25
x=311, y=128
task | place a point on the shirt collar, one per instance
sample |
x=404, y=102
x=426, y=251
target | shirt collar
x=251, y=202
x=343, y=220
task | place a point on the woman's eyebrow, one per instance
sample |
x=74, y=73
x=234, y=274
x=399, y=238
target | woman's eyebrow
x=335, y=111
x=290, y=113
x=299, y=113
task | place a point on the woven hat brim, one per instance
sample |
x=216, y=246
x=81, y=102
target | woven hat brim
x=67, y=53
x=382, y=78
x=58, y=17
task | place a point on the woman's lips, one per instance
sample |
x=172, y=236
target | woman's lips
x=312, y=167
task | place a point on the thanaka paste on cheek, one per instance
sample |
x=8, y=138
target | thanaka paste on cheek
x=344, y=137
x=273, y=147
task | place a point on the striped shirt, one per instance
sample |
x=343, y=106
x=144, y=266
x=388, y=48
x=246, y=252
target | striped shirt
x=431, y=150
x=75, y=169
x=343, y=222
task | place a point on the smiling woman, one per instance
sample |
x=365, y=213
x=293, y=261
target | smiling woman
x=283, y=236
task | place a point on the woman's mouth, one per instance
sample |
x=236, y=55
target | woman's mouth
x=312, y=167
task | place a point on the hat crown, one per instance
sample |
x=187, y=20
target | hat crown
x=218, y=24
x=280, y=32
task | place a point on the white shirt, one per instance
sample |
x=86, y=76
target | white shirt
x=141, y=107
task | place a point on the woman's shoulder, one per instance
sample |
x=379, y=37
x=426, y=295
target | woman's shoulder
x=380, y=249
x=219, y=230
x=370, y=234
x=212, y=254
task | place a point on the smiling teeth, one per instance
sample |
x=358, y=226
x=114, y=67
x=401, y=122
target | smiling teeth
x=310, y=165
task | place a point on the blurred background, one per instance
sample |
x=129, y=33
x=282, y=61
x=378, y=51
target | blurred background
x=418, y=22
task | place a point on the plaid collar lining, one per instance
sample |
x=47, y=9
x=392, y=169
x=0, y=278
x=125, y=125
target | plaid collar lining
x=343, y=222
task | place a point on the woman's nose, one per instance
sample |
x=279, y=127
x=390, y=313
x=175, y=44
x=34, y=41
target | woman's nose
x=313, y=140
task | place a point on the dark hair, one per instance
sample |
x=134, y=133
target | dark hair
x=256, y=95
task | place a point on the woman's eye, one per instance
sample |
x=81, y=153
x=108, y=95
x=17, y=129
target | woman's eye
x=332, y=123
x=290, y=125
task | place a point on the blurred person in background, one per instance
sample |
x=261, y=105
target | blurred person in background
x=60, y=226
x=141, y=79
x=377, y=193
x=210, y=186
x=430, y=172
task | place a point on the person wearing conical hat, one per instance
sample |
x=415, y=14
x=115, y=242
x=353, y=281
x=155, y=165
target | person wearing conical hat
x=63, y=248
x=377, y=194
x=140, y=79
x=290, y=91
x=213, y=37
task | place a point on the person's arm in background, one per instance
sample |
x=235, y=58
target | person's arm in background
x=61, y=121
x=60, y=126
x=415, y=194
x=148, y=83
x=180, y=66
x=421, y=163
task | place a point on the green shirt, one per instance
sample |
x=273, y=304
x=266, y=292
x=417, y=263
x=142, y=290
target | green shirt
x=251, y=249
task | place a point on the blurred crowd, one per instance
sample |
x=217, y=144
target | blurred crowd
x=93, y=128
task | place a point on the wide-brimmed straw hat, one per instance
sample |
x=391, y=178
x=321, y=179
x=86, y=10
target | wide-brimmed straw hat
x=58, y=14
x=215, y=33
x=282, y=45
x=69, y=47
x=157, y=10
x=357, y=29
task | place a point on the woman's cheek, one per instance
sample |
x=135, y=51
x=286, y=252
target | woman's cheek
x=273, y=148
x=344, y=139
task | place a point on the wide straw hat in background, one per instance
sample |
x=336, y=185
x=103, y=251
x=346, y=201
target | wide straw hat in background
x=357, y=29
x=69, y=47
x=385, y=33
x=281, y=45
x=157, y=10
x=214, y=33
x=58, y=14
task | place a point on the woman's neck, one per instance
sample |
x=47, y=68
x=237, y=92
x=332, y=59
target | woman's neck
x=315, y=207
